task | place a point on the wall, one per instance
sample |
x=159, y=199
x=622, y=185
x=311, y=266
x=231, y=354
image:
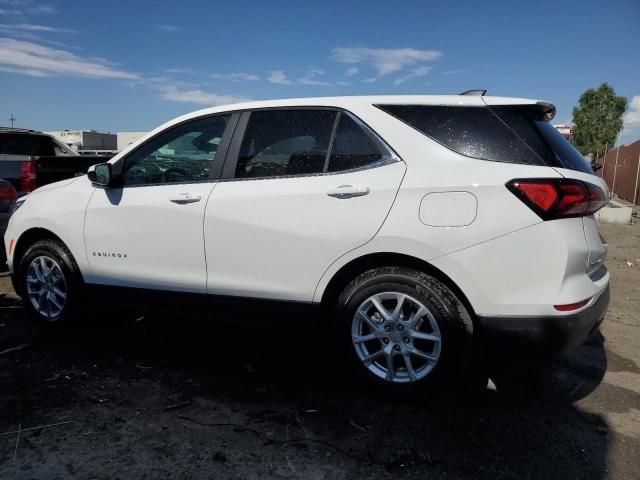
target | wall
x=621, y=179
x=127, y=138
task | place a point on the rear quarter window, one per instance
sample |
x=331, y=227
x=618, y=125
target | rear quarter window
x=512, y=134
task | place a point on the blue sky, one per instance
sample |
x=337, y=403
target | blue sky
x=116, y=65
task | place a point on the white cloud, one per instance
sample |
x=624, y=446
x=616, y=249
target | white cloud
x=235, y=77
x=25, y=7
x=278, y=77
x=44, y=9
x=370, y=80
x=181, y=71
x=311, y=78
x=30, y=27
x=342, y=83
x=168, y=28
x=384, y=60
x=416, y=72
x=452, y=72
x=351, y=71
x=33, y=59
x=631, y=121
x=199, y=97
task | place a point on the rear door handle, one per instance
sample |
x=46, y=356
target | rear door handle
x=348, y=191
x=183, y=198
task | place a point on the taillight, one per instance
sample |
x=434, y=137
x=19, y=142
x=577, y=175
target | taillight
x=8, y=196
x=553, y=198
x=28, y=177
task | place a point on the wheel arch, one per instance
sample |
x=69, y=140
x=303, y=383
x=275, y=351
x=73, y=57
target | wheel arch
x=28, y=238
x=386, y=259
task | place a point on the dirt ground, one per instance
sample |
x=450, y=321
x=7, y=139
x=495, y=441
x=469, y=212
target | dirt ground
x=181, y=398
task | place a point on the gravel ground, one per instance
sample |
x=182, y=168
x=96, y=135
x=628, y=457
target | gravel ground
x=182, y=398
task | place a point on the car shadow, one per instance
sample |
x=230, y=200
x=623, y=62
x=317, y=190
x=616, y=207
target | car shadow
x=285, y=385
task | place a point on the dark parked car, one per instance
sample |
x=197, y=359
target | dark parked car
x=31, y=159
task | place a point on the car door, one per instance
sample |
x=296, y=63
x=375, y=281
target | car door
x=147, y=233
x=300, y=188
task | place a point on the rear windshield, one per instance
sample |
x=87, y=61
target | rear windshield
x=509, y=134
x=25, y=144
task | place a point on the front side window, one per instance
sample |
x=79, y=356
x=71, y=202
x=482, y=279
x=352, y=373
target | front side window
x=185, y=153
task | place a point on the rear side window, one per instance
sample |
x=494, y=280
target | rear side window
x=353, y=147
x=510, y=134
x=25, y=144
x=285, y=142
x=302, y=142
x=529, y=124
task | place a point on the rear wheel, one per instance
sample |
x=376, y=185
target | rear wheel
x=406, y=330
x=49, y=282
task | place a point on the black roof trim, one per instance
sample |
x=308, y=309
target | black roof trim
x=474, y=93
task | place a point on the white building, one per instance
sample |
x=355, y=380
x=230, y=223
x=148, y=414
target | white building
x=566, y=130
x=81, y=140
x=128, y=138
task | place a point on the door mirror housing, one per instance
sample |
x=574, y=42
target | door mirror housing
x=100, y=174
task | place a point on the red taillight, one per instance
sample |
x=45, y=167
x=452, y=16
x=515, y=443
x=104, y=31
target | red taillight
x=553, y=198
x=28, y=177
x=8, y=196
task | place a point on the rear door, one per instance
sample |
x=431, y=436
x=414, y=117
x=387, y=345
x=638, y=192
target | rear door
x=300, y=188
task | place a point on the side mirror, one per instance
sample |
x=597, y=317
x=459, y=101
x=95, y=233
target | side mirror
x=100, y=174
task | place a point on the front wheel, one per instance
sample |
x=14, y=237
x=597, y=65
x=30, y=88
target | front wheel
x=406, y=330
x=49, y=282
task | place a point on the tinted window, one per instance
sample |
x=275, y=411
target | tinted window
x=472, y=131
x=566, y=153
x=25, y=144
x=529, y=124
x=512, y=134
x=353, y=147
x=183, y=154
x=285, y=142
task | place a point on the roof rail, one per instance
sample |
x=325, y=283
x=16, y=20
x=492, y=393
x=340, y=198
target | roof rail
x=474, y=93
x=18, y=130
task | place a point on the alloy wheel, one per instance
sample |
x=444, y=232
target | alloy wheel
x=396, y=337
x=46, y=287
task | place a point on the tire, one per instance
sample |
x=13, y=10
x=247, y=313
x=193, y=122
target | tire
x=431, y=321
x=48, y=267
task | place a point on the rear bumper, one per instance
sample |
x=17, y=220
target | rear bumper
x=523, y=336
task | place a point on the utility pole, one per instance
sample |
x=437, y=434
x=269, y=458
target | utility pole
x=12, y=119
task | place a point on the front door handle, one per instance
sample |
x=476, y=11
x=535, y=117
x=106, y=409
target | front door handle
x=348, y=191
x=183, y=198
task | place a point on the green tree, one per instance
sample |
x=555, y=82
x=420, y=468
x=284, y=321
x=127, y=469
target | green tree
x=598, y=119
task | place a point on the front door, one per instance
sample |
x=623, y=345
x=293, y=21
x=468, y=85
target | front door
x=148, y=232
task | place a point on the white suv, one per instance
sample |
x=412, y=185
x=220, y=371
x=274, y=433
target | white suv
x=425, y=228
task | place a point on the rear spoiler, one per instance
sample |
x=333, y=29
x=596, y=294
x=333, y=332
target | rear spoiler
x=474, y=93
